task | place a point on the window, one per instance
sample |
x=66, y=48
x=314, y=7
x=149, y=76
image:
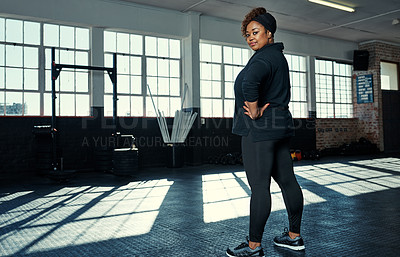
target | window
x=219, y=66
x=298, y=99
x=72, y=86
x=389, y=76
x=161, y=59
x=19, y=67
x=333, y=89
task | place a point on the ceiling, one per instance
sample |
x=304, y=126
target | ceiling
x=372, y=19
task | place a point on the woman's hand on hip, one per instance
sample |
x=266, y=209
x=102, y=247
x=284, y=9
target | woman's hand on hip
x=253, y=111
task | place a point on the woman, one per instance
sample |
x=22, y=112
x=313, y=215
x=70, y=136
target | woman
x=262, y=118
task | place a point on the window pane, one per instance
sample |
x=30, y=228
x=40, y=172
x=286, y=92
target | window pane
x=245, y=56
x=82, y=105
x=136, y=65
x=229, y=73
x=228, y=55
x=163, y=86
x=229, y=93
x=67, y=37
x=81, y=58
x=108, y=86
x=110, y=41
x=229, y=106
x=153, y=85
x=205, y=52
x=123, y=43
x=174, y=87
x=108, y=60
x=14, y=56
x=48, y=103
x=137, y=106
x=67, y=57
x=151, y=46
x=205, y=88
x=123, y=64
x=295, y=62
x=151, y=67
x=67, y=81
x=136, y=85
x=1, y=79
x=163, y=106
x=108, y=105
x=175, y=104
x=237, y=56
x=51, y=35
x=216, y=88
x=216, y=53
x=14, y=31
x=14, y=103
x=216, y=72
x=82, y=82
x=13, y=78
x=67, y=105
x=82, y=38
x=163, y=67
x=206, y=107
x=2, y=22
x=136, y=44
x=163, y=47
x=205, y=70
x=31, y=57
x=175, y=48
x=1, y=55
x=123, y=84
x=150, y=107
x=31, y=33
x=174, y=68
x=1, y=102
x=217, y=108
x=123, y=108
x=31, y=79
x=32, y=103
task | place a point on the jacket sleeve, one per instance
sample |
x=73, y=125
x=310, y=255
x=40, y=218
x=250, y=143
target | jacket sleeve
x=255, y=75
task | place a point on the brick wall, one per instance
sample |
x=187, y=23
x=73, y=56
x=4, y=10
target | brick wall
x=370, y=121
x=332, y=133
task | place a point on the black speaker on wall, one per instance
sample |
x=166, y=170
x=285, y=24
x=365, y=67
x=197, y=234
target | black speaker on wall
x=360, y=60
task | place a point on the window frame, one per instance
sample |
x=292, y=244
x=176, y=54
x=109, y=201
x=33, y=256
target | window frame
x=332, y=78
x=223, y=80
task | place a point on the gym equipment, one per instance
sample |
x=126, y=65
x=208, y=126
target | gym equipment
x=55, y=72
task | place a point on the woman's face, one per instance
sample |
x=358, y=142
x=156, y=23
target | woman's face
x=257, y=36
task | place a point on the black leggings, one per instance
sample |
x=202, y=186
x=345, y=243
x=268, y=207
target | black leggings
x=263, y=160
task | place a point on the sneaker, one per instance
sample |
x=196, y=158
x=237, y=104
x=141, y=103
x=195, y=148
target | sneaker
x=285, y=241
x=243, y=250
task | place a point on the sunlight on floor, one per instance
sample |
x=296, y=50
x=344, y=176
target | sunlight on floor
x=356, y=179
x=79, y=215
x=227, y=196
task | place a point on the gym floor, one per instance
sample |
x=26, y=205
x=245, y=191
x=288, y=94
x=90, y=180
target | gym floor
x=351, y=208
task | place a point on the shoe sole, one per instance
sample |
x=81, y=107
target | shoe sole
x=254, y=255
x=296, y=248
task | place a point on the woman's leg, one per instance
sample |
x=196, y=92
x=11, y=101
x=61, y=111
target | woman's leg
x=258, y=162
x=283, y=174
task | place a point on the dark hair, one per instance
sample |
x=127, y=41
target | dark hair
x=250, y=16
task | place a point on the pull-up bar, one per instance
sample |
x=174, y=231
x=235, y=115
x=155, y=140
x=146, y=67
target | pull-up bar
x=55, y=72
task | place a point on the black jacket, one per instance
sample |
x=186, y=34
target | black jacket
x=265, y=78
